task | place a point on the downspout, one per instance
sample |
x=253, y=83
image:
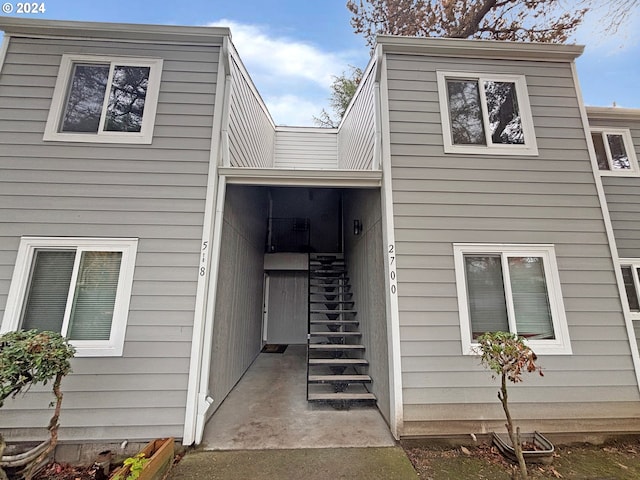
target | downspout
x=196, y=402
x=203, y=392
x=390, y=254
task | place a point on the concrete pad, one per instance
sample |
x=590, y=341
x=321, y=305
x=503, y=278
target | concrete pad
x=389, y=463
x=268, y=409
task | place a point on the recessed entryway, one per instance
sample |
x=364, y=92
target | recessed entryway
x=268, y=409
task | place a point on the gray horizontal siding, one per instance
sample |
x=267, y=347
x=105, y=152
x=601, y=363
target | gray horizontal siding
x=153, y=192
x=251, y=131
x=356, y=136
x=306, y=148
x=441, y=199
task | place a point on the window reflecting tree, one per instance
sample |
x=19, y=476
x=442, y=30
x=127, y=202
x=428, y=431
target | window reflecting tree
x=619, y=157
x=126, y=99
x=85, y=99
x=505, y=123
x=465, y=112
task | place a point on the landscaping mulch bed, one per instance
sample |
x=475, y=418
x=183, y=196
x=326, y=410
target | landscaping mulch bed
x=65, y=471
x=619, y=461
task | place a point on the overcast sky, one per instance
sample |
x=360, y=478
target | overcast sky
x=293, y=48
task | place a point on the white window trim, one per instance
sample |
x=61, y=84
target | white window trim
x=145, y=136
x=20, y=283
x=634, y=171
x=530, y=147
x=634, y=263
x=561, y=345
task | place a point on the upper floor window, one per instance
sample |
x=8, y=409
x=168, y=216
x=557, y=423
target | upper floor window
x=104, y=99
x=512, y=288
x=486, y=114
x=79, y=287
x=614, y=151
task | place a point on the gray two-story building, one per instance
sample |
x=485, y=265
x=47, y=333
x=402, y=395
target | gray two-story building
x=153, y=213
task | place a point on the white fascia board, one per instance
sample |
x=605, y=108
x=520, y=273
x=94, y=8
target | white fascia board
x=390, y=255
x=113, y=31
x=302, y=177
x=286, y=128
x=474, y=48
x=3, y=50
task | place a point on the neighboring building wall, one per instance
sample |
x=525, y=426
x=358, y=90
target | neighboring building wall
x=365, y=262
x=251, y=130
x=623, y=198
x=237, y=326
x=440, y=199
x=306, y=148
x=356, y=136
x=623, y=195
x=154, y=192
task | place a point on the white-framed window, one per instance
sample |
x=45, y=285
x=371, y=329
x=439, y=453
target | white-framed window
x=79, y=287
x=614, y=151
x=514, y=288
x=631, y=275
x=104, y=99
x=486, y=114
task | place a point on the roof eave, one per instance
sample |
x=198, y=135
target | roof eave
x=474, y=48
x=613, y=113
x=15, y=26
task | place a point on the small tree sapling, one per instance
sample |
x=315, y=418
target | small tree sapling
x=508, y=356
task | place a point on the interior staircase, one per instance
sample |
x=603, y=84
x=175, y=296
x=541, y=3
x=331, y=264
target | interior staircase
x=335, y=354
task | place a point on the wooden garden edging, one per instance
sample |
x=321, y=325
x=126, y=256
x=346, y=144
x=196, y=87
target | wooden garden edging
x=160, y=453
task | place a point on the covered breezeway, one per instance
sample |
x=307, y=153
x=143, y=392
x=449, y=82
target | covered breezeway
x=258, y=400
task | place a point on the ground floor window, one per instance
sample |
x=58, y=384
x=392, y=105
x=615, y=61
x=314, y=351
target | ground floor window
x=79, y=287
x=512, y=288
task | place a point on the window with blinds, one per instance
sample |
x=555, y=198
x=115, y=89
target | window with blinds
x=87, y=313
x=513, y=288
x=79, y=287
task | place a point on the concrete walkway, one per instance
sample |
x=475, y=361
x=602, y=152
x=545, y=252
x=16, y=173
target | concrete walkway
x=268, y=409
x=386, y=463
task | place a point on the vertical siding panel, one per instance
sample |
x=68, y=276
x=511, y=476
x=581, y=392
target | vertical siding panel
x=154, y=192
x=365, y=262
x=356, y=136
x=251, y=131
x=237, y=330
